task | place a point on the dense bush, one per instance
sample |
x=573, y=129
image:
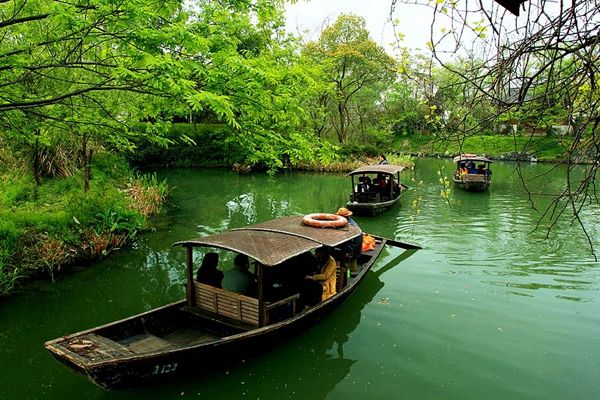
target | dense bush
x=49, y=226
x=192, y=145
x=358, y=150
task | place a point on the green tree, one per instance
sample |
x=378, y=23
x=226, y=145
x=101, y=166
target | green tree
x=351, y=62
x=90, y=69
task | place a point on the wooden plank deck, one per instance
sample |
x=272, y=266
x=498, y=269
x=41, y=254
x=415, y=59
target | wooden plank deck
x=147, y=343
x=189, y=336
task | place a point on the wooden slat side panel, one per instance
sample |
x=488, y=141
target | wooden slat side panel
x=223, y=302
x=251, y=319
x=475, y=178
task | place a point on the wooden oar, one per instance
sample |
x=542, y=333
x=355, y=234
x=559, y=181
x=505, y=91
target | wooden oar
x=397, y=243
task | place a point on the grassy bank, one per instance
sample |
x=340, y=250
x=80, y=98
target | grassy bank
x=45, y=228
x=544, y=148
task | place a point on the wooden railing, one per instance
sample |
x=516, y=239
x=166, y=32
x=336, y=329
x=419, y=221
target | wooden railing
x=280, y=303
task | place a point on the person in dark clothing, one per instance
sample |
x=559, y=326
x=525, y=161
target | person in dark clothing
x=208, y=272
x=239, y=279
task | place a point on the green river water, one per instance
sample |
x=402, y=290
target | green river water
x=489, y=309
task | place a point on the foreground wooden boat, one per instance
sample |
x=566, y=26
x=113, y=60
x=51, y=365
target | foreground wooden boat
x=375, y=188
x=214, y=326
x=472, y=173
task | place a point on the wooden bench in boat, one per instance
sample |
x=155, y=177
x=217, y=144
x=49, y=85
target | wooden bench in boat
x=239, y=311
x=229, y=304
x=366, y=197
x=475, y=178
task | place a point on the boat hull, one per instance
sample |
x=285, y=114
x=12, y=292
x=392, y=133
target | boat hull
x=142, y=369
x=472, y=186
x=199, y=360
x=369, y=209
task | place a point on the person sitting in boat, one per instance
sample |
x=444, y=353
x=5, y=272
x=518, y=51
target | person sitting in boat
x=208, y=272
x=382, y=160
x=463, y=170
x=352, y=248
x=362, y=186
x=481, y=169
x=471, y=167
x=380, y=183
x=239, y=279
x=324, y=280
x=392, y=186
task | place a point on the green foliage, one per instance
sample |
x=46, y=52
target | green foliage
x=104, y=210
x=107, y=165
x=16, y=191
x=545, y=148
x=199, y=145
x=8, y=239
x=357, y=150
x=45, y=231
x=406, y=160
x=8, y=280
x=354, y=72
x=230, y=62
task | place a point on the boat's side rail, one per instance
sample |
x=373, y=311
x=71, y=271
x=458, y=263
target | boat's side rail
x=290, y=300
x=228, y=304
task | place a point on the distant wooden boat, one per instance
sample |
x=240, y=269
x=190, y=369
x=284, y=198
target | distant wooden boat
x=370, y=198
x=213, y=326
x=472, y=173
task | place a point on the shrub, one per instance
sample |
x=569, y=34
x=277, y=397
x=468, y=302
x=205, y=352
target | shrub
x=146, y=193
x=200, y=145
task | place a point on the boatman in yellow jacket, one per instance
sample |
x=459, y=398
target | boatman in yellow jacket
x=326, y=274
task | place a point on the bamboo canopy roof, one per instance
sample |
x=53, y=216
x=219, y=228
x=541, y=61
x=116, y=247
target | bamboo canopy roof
x=276, y=241
x=378, y=169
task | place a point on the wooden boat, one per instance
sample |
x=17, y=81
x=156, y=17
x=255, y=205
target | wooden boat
x=213, y=326
x=369, y=198
x=472, y=173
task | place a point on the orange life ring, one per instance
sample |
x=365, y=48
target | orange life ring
x=324, y=220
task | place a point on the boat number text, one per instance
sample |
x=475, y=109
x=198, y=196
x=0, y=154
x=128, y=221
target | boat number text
x=164, y=369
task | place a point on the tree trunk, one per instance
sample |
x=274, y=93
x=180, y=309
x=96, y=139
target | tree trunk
x=36, y=164
x=343, y=128
x=86, y=163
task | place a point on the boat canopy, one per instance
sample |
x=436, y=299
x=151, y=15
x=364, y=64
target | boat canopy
x=378, y=169
x=276, y=241
x=471, y=157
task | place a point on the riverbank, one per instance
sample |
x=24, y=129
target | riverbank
x=498, y=147
x=46, y=228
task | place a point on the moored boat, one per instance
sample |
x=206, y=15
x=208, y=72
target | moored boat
x=375, y=188
x=472, y=172
x=212, y=326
